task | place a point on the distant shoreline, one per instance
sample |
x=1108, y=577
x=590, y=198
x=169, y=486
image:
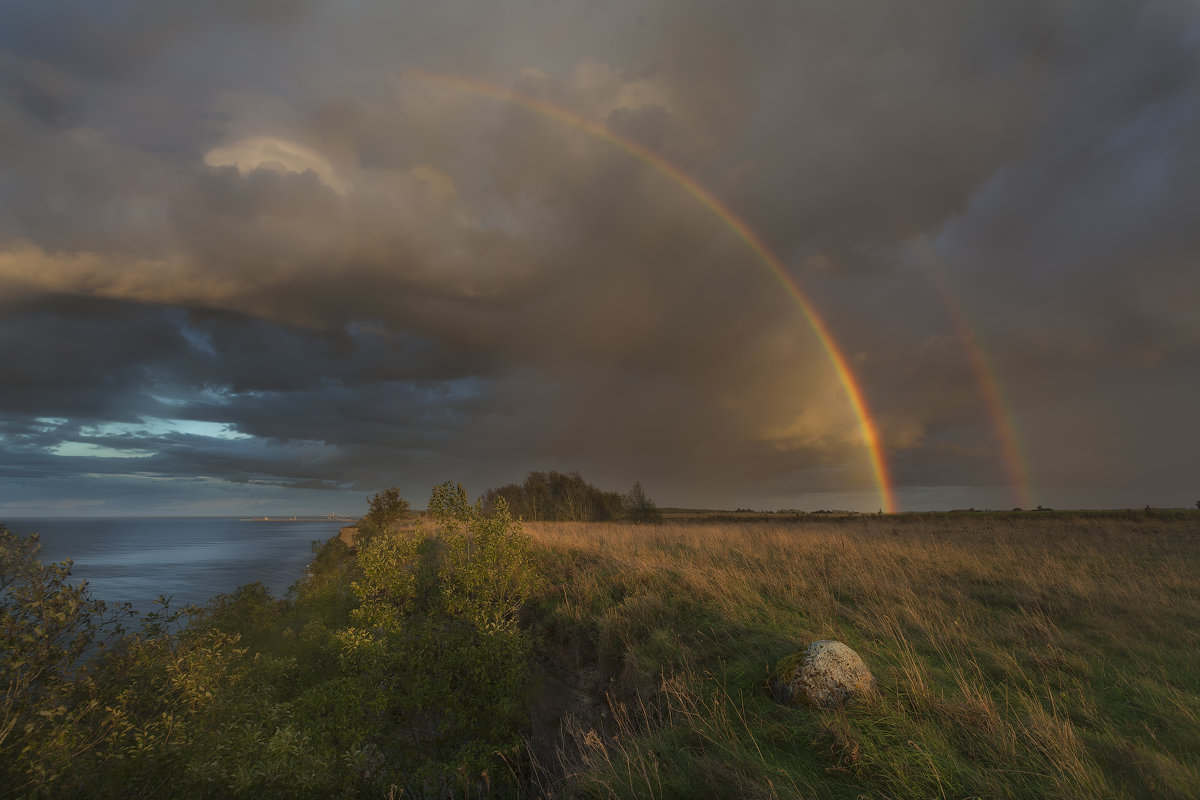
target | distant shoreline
x=283, y=518
x=237, y=517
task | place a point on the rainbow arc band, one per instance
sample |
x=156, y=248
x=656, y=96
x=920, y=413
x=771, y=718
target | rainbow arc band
x=726, y=215
x=985, y=376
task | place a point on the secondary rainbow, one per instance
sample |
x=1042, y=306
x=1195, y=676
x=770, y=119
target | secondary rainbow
x=985, y=375
x=731, y=220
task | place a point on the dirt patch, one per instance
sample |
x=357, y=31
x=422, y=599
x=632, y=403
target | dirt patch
x=572, y=700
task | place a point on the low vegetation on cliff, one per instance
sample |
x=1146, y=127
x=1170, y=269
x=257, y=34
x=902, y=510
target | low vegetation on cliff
x=465, y=654
x=398, y=670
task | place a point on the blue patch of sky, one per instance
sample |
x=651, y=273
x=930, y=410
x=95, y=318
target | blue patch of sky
x=90, y=450
x=200, y=341
x=116, y=436
x=155, y=426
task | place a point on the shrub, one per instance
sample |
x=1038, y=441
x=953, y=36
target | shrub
x=48, y=628
x=437, y=634
x=385, y=508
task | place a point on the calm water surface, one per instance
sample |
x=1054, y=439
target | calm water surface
x=136, y=559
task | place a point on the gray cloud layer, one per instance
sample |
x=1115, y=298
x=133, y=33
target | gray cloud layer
x=259, y=218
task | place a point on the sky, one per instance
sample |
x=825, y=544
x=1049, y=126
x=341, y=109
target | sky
x=272, y=256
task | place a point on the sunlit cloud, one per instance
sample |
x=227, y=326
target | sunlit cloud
x=276, y=154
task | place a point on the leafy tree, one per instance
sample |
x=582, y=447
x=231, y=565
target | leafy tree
x=487, y=573
x=555, y=496
x=641, y=508
x=386, y=507
x=611, y=504
x=48, y=628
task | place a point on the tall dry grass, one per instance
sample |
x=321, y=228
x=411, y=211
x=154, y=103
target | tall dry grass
x=1019, y=655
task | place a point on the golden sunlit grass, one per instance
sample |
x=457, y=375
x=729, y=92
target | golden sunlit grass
x=1019, y=655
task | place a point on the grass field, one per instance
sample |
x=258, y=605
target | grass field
x=1025, y=655
x=1018, y=655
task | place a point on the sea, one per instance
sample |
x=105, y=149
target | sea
x=188, y=559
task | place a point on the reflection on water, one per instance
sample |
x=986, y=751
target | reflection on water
x=190, y=559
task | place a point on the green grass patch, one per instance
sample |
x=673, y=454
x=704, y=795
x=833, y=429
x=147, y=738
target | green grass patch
x=1019, y=655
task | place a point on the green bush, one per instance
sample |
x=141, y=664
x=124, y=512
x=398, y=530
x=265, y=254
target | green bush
x=399, y=669
x=49, y=628
x=385, y=509
x=437, y=631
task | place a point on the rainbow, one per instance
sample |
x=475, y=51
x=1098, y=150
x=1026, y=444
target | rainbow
x=730, y=219
x=985, y=376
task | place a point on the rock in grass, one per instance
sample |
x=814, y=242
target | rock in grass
x=826, y=675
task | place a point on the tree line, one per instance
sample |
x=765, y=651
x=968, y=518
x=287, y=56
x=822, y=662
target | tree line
x=558, y=497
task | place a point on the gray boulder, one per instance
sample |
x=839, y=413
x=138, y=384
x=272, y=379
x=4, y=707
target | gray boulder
x=826, y=675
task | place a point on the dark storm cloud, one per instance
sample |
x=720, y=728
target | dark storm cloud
x=109, y=41
x=258, y=220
